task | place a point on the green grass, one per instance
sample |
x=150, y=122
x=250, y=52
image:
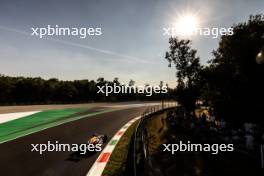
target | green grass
x=157, y=127
x=118, y=159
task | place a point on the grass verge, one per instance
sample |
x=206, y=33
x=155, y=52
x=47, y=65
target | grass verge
x=157, y=127
x=116, y=165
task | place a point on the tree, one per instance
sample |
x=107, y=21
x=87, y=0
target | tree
x=188, y=67
x=116, y=81
x=233, y=80
x=21, y=90
x=131, y=82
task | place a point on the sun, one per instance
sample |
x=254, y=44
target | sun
x=187, y=24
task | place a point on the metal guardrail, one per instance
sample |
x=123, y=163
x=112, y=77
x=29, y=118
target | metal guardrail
x=140, y=133
x=134, y=149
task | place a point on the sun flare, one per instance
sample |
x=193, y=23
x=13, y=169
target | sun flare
x=186, y=24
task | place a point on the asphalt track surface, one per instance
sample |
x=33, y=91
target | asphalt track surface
x=16, y=157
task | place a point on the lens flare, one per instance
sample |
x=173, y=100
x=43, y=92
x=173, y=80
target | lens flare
x=186, y=25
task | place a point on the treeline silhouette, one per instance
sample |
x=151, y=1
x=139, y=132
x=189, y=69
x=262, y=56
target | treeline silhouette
x=232, y=82
x=22, y=91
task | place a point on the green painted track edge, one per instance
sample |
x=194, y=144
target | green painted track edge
x=54, y=124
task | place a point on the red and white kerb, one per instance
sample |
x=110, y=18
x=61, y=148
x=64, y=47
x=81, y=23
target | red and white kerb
x=99, y=165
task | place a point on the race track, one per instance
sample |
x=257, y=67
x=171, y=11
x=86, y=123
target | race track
x=16, y=157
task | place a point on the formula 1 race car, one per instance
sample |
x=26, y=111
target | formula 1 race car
x=90, y=147
x=97, y=139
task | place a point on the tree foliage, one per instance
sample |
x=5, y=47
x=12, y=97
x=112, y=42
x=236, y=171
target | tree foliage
x=234, y=82
x=21, y=90
x=188, y=68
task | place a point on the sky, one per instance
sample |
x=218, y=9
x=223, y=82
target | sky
x=132, y=44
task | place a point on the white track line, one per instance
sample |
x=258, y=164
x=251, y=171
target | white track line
x=100, y=163
x=12, y=116
x=133, y=105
